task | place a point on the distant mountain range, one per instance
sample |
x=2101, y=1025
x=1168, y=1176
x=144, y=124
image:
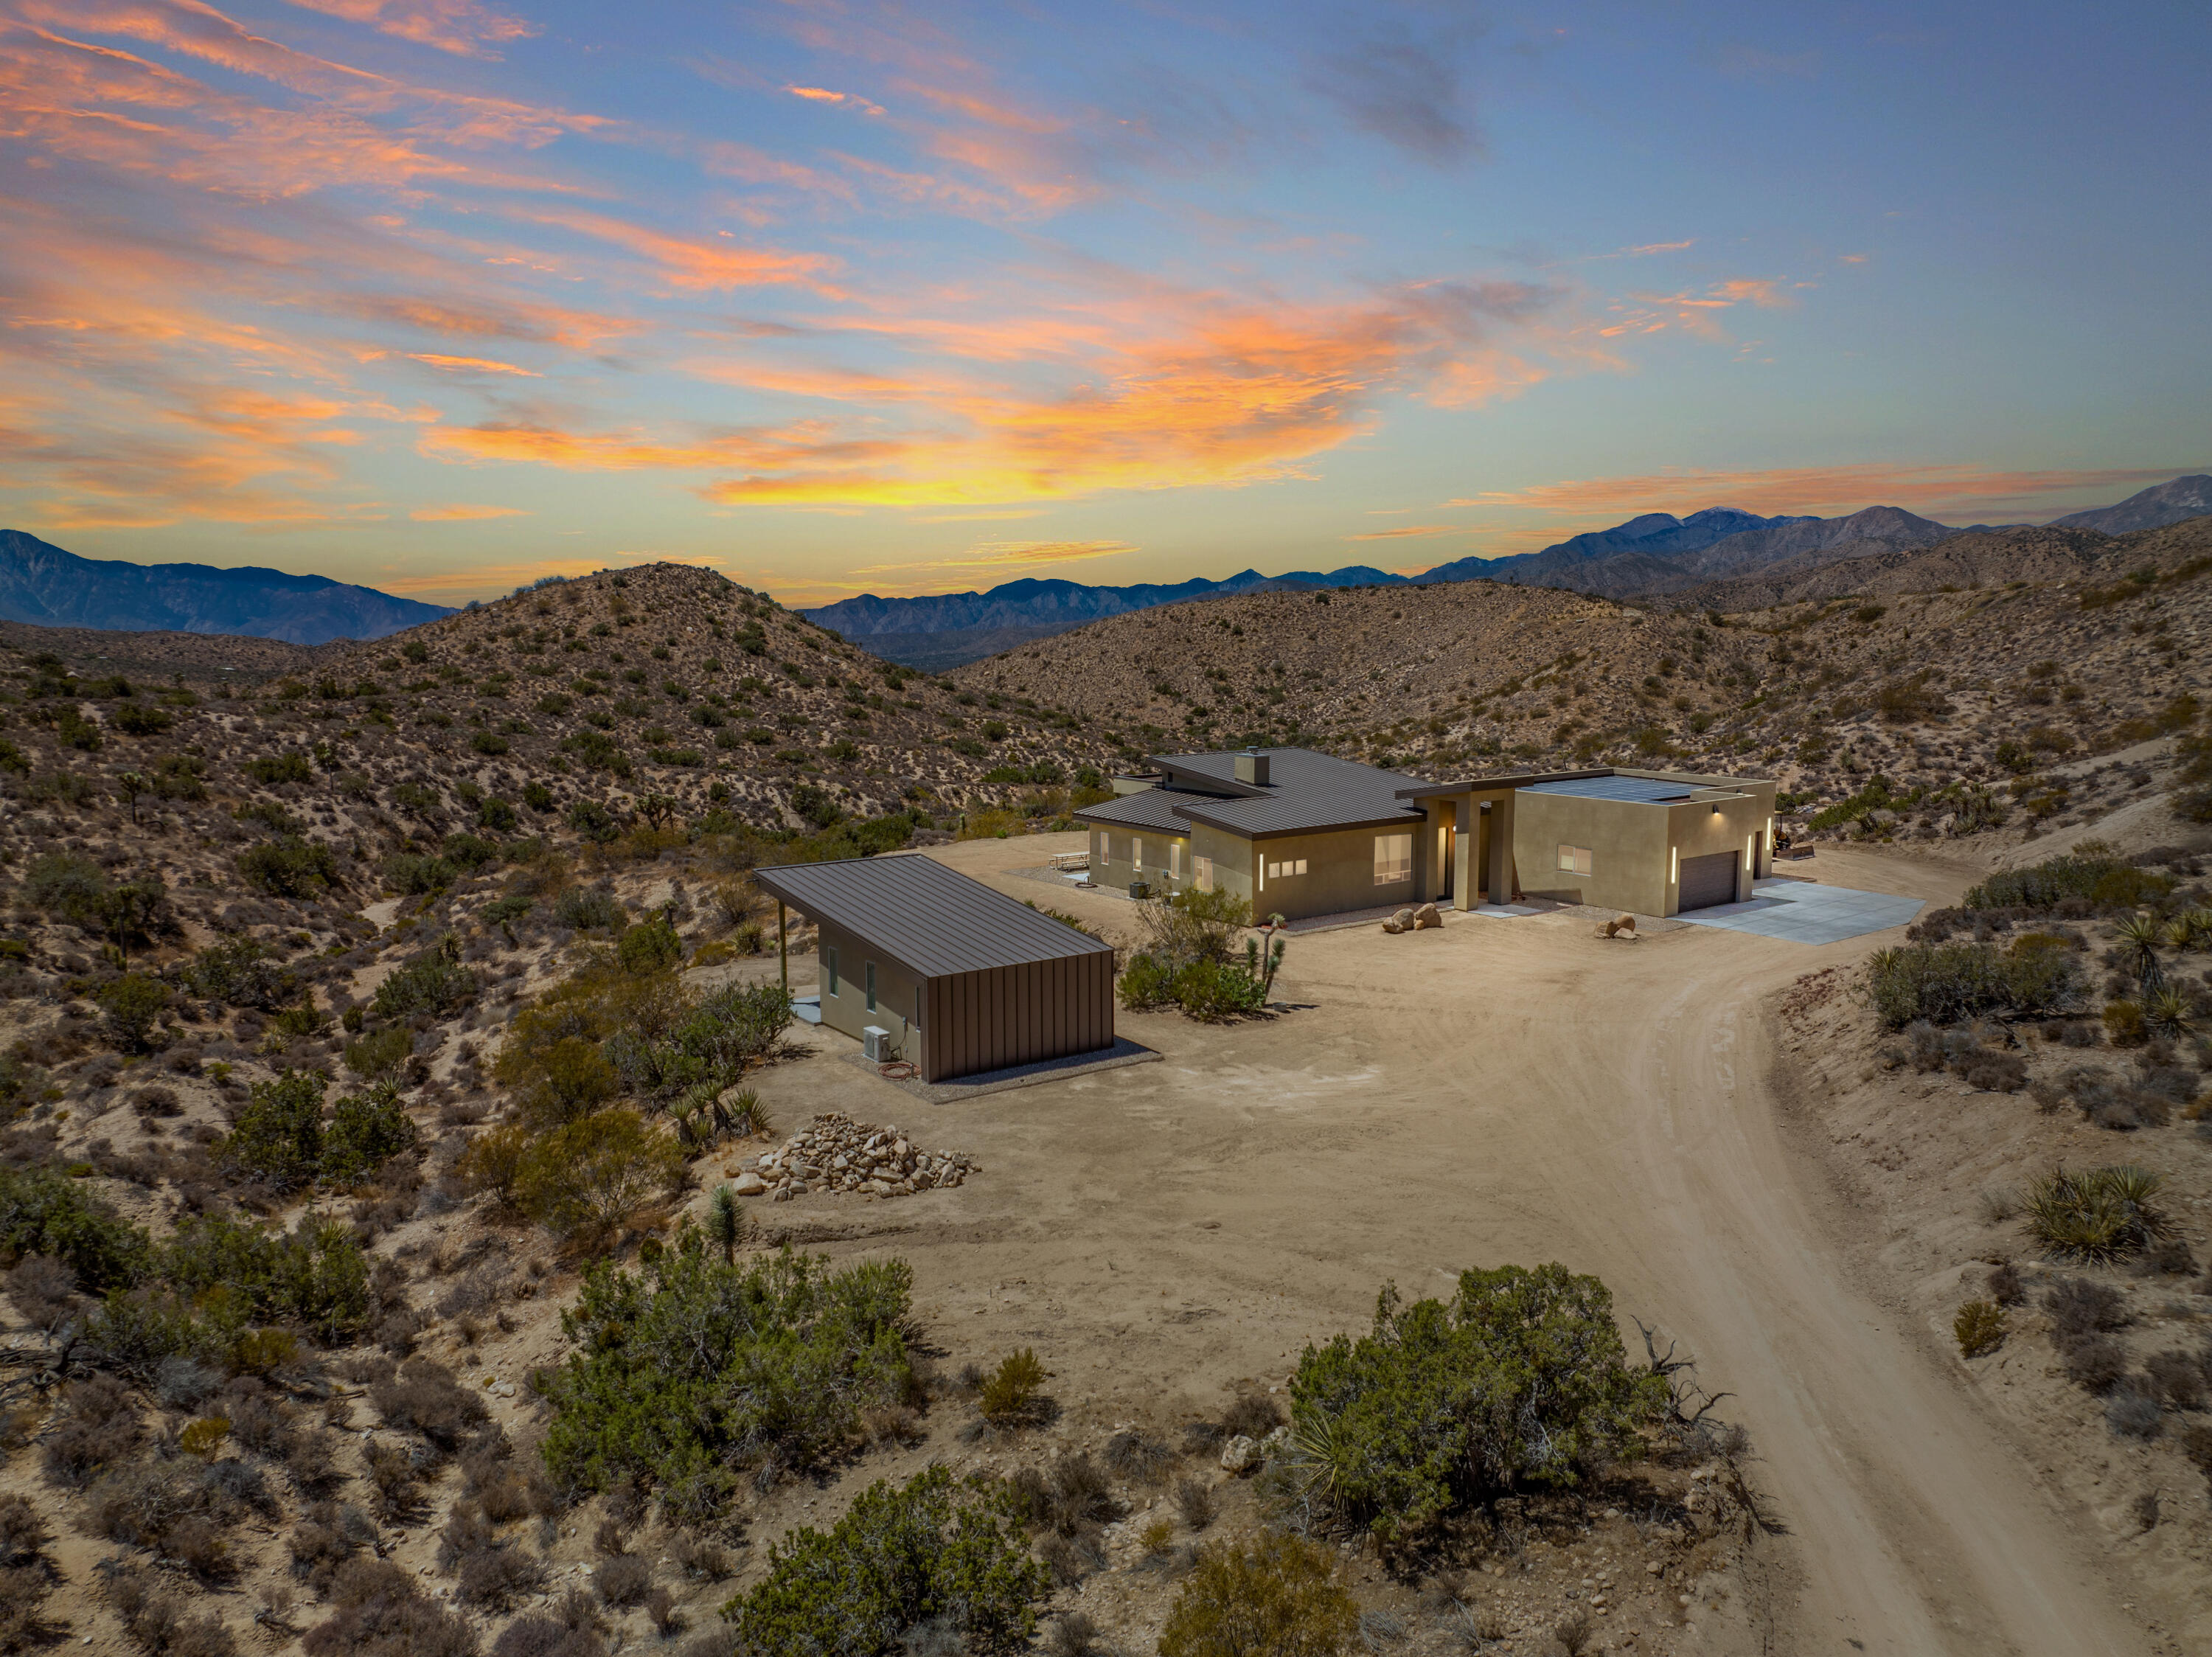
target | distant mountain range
x=41, y=583
x=1654, y=554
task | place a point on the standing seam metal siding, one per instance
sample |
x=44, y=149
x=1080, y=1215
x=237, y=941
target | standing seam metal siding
x=1005, y=1015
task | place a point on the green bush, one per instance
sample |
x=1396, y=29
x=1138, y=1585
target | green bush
x=536, y=797
x=278, y=1137
x=593, y=821
x=314, y=1277
x=1009, y=1389
x=570, y=1081
x=274, y=768
x=381, y=1056
x=586, y=1178
x=1520, y=1380
x=1207, y=990
x=433, y=982
x=242, y=973
x=649, y=947
x=724, y=1033
x=135, y=721
x=1946, y=983
x=589, y=908
x=1978, y=1328
x=489, y=742
x=42, y=1212
x=498, y=816
x=365, y=1130
x=134, y=1004
x=930, y=1552
x=2088, y=872
x=692, y=1370
x=411, y=874
x=469, y=851
x=1277, y=1596
x=289, y=866
x=67, y=884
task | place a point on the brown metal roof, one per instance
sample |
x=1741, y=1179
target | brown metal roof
x=930, y=919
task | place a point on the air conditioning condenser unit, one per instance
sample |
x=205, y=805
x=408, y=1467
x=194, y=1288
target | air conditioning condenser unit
x=876, y=1043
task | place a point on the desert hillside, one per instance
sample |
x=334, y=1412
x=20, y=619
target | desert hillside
x=1966, y=685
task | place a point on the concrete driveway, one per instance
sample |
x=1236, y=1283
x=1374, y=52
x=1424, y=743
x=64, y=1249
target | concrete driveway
x=1804, y=911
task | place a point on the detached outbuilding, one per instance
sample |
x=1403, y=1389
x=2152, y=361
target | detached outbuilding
x=917, y=961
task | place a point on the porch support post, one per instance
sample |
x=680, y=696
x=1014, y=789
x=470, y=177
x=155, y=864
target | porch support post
x=1502, y=887
x=1467, y=833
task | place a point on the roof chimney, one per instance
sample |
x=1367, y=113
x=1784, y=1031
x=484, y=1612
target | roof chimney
x=1252, y=767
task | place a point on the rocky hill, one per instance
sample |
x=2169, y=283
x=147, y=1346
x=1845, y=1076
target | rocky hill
x=1973, y=688
x=2150, y=508
x=39, y=583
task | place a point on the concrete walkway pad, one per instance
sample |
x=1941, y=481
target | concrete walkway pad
x=1804, y=911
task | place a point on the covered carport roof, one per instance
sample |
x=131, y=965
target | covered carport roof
x=932, y=920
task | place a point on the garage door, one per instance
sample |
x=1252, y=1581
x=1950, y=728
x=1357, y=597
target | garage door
x=1709, y=881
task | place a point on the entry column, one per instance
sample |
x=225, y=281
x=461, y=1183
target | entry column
x=1501, y=848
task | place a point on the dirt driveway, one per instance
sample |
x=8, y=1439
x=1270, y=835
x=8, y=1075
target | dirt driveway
x=1496, y=1090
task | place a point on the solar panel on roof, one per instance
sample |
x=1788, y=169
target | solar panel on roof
x=1649, y=789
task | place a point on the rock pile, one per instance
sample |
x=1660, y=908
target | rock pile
x=835, y=1154
x=1414, y=920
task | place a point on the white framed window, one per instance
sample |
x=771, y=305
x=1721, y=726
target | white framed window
x=1289, y=866
x=1201, y=872
x=1393, y=859
x=1574, y=860
x=1299, y=868
x=872, y=986
x=829, y=969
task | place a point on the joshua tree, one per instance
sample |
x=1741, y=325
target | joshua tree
x=726, y=1221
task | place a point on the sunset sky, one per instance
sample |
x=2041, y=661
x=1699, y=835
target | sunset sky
x=443, y=296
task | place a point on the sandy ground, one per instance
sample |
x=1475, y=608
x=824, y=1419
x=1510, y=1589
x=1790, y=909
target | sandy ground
x=1493, y=1091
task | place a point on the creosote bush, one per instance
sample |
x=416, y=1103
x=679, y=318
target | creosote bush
x=1012, y=1387
x=1949, y=983
x=1979, y=1328
x=1275, y=1596
x=931, y=1552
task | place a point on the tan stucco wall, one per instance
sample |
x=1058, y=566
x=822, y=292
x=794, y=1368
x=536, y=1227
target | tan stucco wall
x=897, y=1001
x=1628, y=852
x=1339, y=873
x=1117, y=871
x=1694, y=828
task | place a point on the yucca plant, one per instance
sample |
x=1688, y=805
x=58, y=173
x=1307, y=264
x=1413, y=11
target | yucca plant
x=2191, y=930
x=2138, y=937
x=2169, y=1012
x=2098, y=1214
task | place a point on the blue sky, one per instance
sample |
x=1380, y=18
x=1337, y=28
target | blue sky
x=444, y=294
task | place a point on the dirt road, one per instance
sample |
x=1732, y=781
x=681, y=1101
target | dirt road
x=1495, y=1090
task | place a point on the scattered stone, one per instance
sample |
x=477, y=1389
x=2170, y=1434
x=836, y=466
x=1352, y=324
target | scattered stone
x=835, y=1154
x=1426, y=916
x=1240, y=1455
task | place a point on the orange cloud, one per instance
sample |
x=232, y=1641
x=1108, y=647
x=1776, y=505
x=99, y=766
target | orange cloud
x=1409, y=531
x=1824, y=490
x=456, y=25
x=470, y=364
x=996, y=554
x=823, y=95
x=696, y=265
x=451, y=514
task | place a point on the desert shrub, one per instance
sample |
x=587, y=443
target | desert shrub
x=586, y=1178
x=493, y=1161
x=1132, y=1455
x=44, y=1288
x=2081, y=1308
x=1520, y=1380
x=434, y=982
x=423, y=1397
x=365, y=1129
x=1277, y=1594
x=710, y=1043
x=278, y=1137
x=65, y=883
x=42, y=1212
x=315, y=1278
x=2132, y=1410
x=157, y=1623
x=97, y=1426
x=589, y=908
x=23, y=1534
x=326, y=1536
x=275, y=768
x=242, y=973
x=379, y=1610
x=1946, y=983
x=1011, y=1387
x=622, y=1581
x=1195, y=1501
x=648, y=946
x=932, y=1550
x=2181, y=1379
x=411, y=874
x=2089, y=872
x=289, y=866
x=381, y=1056
x=2099, y=1214
x=1979, y=1328
x=2006, y=1288
x=693, y=1368
x=133, y=1004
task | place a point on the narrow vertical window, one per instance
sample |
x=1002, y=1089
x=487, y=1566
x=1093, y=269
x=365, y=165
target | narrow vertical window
x=872, y=986
x=829, y=970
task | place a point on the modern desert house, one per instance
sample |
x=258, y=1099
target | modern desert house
x=919, y=962
x=1300, y=834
